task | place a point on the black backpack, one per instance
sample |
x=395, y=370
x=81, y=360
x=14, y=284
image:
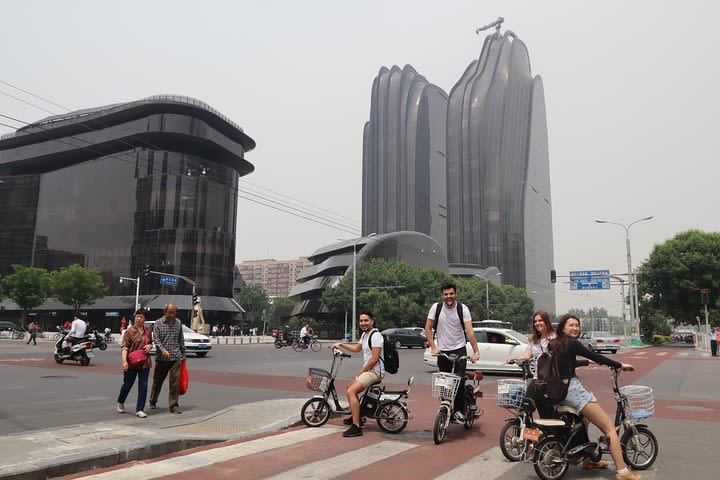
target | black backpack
x=551, y=388
x=459, y=307
x=390, y=358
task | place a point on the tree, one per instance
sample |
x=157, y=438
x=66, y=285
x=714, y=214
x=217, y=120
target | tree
x=280, y=303
x=507, y=302
x=28, y=287
x=253, y=299
x=76, y=286
x=669, y=281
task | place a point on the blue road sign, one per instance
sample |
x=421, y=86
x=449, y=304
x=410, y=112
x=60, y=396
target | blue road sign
x=168, y=280
x=590, y=280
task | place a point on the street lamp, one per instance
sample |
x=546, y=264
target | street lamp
x=487, y=292
x=632, y=294
x=137, y=290
x=354, y=290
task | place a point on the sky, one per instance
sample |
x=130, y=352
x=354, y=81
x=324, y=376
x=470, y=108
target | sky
x=630, y=92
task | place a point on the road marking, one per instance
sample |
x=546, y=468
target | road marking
x=683, y=354
x=641, y=352
x=661, y=354
x=211, y=456
x=347, y=462
x=491, y=463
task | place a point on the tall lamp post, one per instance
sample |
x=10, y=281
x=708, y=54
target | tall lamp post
x=487, y=292
x=632, y=292
x=137, y=290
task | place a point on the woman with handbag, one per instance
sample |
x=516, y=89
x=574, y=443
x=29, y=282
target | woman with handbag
x=135, y=363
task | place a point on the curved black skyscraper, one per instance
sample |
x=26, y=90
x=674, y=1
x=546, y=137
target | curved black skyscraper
x=404, y=156
x=117, y=187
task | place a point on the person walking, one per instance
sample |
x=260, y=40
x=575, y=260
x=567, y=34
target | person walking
x=713, y=342
x=32, y=331
x=137, y=337
x=451, y=335
x=170, y=353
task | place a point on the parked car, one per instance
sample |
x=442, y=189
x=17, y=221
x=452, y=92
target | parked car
x=10, y=330
x=598, y=341
x=405, y=337
x=194, y=342
x=496, y=345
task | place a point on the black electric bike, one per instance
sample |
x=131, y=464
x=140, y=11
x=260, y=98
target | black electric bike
x=385, y=406
x=565, y=443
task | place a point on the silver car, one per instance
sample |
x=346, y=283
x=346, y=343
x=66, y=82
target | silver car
x=598, y=341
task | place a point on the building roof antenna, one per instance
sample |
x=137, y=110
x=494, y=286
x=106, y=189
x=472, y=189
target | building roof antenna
x=497, y=24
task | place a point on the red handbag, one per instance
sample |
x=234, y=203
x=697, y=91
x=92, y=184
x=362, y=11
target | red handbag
x=184, y=379
x=137, y=358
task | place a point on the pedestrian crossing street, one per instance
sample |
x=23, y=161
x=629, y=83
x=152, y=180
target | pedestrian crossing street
x=217, y=462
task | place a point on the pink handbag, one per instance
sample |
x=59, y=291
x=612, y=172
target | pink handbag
x=137, y=358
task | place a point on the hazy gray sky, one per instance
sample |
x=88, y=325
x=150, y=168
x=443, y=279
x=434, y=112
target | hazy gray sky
x=630, y=89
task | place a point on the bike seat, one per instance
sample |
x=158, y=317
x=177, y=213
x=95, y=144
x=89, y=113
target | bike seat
x=566, y=409
x=475, y=375
x=549, y=422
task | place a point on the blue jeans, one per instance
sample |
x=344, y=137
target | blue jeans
x=128, y=382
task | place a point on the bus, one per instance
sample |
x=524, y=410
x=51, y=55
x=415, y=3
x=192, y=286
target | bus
x=493, y=324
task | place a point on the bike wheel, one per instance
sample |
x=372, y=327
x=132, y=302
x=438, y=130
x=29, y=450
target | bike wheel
x=639, y=451
x=510, y=444
x=278, y=343
x=103, y=346
x=56, y=337
x=58, y=359
x=315, y=412
x=85, y=360
x=469, y=412
x=393, y=417
x=549, y=463
x=440, y=428
x=297, y=346
x=315, y=346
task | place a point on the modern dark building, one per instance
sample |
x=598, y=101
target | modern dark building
x=149, y=182
x=331, y=263
x=476, y=176
x=404, y=156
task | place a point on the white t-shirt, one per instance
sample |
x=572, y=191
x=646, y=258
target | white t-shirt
x=303, y=332
x=78, y=328
x=449, y=334
x=538, y=348
x=377, y=341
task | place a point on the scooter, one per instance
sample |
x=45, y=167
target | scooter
x=80, y=352
x=98, y=341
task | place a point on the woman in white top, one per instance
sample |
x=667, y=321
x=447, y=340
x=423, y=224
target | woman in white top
x=370, y=373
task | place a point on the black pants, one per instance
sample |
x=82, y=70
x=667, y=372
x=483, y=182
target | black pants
x=444, y=365
x=32, y=338
x=713, y=347
x=544, y=409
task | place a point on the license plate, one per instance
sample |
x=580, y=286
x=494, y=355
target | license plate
x=532, y=434
x=89, y=354
x=202, y=345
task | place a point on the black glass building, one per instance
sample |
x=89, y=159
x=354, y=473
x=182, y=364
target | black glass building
x=149, y=182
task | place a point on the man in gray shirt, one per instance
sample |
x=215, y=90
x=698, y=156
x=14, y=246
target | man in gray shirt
x=170, y=353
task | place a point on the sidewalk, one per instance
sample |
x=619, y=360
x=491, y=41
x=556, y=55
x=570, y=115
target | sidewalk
x=62, y=451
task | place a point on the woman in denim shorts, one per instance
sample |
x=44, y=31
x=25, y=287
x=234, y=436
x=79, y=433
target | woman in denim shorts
x=567, y=347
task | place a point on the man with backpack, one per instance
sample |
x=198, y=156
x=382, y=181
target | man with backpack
x=372, y=371
x=453, y=329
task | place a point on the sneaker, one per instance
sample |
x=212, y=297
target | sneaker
x=629, y=475
x=141, y=414
x=348, y=421
x=153, y=406
x=590, y=465
x=353, y=431
x=176, y=410
x=459, y=417
x=120, y=408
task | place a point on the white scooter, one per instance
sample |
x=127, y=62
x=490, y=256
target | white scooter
x=80, y=352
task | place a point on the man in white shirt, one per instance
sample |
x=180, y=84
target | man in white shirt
x=370, y=373
x=77, y=331
x=450, y=338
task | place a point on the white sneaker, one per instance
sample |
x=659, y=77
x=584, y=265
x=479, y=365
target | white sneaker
x=459, y=417
x=120, y=408
x=141, y=414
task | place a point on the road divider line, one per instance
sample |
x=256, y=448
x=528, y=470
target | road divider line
x=212, y=456
x=347, y=462
x=489, y=464
x=660, y=354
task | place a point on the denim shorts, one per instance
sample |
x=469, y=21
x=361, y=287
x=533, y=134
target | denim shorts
x=577, y=397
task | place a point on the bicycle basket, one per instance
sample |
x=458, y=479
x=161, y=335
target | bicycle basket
x=445, y=385
x=639, y=401
x=318, y=379
x=510, y=392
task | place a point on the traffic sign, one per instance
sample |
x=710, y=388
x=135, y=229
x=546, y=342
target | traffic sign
x=168, y=280
x=590, y=280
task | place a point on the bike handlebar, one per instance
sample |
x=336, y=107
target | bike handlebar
x=337, y=352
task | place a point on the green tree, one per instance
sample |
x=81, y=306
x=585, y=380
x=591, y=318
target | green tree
x=507, y=302
x=669, y=281
x=76, y=286
x=253, y=299
x=28, y=287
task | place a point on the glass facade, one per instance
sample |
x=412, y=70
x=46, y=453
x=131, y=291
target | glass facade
x=154, y=183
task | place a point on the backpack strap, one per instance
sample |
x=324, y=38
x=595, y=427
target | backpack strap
x=382, y=366
x=459, y=308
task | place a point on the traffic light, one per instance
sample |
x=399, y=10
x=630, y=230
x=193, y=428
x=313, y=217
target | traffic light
x=553, y=276
x=704, y=296
x=195, y=299
x=147, y=270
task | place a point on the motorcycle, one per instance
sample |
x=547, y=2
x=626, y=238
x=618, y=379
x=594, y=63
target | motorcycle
x=98, y=341
x=283, y=341
x=80, y=352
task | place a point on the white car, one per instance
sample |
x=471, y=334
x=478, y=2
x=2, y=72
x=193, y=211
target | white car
x=194, y=342
x=496, y=345
x=598, y=341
